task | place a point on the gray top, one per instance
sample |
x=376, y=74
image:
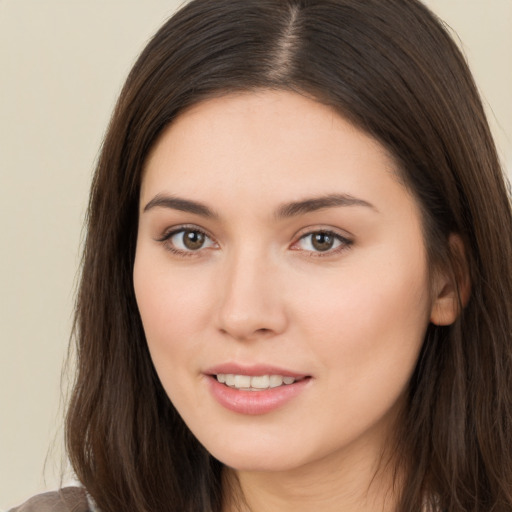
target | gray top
x=68, y=499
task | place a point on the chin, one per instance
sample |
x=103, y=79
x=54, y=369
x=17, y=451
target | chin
x=259, y=453
x=258, y=462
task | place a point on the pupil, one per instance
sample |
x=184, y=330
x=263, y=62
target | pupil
x=193, y=240
x=323, y=241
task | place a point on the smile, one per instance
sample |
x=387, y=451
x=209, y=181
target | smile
x=255, y=392
x=254, y=383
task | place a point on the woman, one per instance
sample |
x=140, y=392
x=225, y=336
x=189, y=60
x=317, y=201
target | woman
x=297, y=280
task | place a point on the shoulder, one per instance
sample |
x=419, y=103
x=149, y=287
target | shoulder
x=68, y=499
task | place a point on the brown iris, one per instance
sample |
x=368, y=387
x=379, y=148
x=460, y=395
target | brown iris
x=193, y=240
x=322, y=241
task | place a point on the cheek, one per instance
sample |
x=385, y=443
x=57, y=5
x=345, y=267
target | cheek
x=368, y=323
x=173, y=308
x=168, y=296
x=367, y=336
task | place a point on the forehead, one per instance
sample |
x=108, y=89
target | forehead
x=271, y=145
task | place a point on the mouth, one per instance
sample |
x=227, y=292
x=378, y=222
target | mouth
x=256, y=390
x=255, y=382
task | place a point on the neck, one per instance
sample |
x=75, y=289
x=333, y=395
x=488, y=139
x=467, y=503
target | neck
x=357, y=485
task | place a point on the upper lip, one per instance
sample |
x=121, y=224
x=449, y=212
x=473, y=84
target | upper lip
x=253, y=370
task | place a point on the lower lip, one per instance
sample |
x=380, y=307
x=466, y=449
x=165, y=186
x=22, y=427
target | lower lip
x=255, y=402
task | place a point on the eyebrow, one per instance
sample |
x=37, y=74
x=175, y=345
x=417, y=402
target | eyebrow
x=287, y=210
x=183, y=205
x=295, y=208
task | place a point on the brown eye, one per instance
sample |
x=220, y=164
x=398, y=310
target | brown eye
x=322, y=241
x=193, y=240
x=187, y=240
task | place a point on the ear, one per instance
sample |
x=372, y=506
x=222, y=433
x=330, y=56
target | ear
x=452, y=285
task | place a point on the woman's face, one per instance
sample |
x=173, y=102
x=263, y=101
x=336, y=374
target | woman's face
x=282, y=281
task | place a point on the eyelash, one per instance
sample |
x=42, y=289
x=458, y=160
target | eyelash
x=166, y=240
x=344, y=243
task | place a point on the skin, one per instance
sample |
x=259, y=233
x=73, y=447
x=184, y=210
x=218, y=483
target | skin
x=352, y=318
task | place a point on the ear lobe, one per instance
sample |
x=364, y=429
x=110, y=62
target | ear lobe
x=452, y=286
x=445, y=310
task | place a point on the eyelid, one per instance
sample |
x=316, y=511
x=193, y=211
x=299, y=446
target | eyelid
x=346, y=240
x=174, y=230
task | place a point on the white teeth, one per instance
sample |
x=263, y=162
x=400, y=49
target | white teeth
x=275, y=381
x=261, y=382
x=253, y=383
x=242, y=381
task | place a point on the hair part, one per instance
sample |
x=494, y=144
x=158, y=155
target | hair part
x=285, y=49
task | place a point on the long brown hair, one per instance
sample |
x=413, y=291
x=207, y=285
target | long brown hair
x=391, y=68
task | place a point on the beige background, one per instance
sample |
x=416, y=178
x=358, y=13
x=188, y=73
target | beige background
x=62, y=63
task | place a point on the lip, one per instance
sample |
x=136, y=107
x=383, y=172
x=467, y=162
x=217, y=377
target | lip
x=254, y=402
x=253, y=370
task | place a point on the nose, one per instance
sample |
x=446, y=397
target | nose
x=252, y=301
